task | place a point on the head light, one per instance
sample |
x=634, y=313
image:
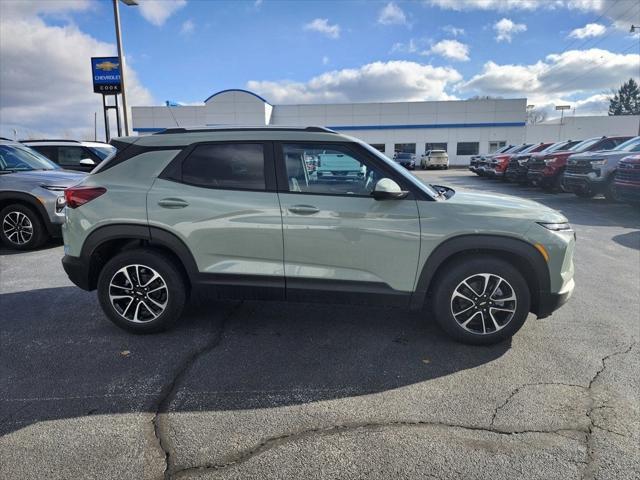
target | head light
x=598, y=163
x=556, y=227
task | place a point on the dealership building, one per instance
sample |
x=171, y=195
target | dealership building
x=462, y=128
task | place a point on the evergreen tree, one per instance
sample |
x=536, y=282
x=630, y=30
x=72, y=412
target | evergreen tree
x=626, y=100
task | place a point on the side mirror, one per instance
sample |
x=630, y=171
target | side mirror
x=387, y=189
x=87, y=162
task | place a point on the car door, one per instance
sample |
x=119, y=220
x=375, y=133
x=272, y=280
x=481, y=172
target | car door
x=220, y=199
x=337, y=237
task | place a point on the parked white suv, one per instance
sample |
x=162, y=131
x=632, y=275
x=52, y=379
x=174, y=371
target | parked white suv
x=434, y=159
x=72, y=154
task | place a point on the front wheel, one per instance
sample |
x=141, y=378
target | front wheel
x=481, y=301
x=21, y=228
x=142, y=291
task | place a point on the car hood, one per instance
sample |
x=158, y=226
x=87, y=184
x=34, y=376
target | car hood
x=508, y=205
x=61, y=178
x=599, y=154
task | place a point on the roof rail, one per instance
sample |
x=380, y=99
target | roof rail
x=7, y=139
x=224, y=128
x=49, y=140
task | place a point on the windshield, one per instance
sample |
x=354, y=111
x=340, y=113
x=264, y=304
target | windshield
x=632, y=145
x=585, y=144
x=401, y=171
x=521, y=148
x=103, y=152
x=15, y=158
x=561, y=146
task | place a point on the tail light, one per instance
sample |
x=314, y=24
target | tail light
x=77, y=196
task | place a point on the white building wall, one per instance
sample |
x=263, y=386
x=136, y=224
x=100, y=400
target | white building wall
x=574, y=128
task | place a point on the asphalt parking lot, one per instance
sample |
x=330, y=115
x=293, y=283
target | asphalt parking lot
x=273, y=390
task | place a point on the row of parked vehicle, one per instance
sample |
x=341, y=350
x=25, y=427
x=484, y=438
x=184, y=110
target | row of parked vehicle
x=428, y=160
x=608, y=166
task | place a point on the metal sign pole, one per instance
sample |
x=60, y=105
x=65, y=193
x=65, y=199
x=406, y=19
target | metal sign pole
x=118, y=116
x=116, y=13
x=107, y=135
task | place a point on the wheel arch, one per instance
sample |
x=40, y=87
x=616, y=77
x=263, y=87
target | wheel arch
x=522, y=255
x=105, y=242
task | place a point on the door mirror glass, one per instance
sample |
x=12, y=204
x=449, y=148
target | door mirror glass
x=387, y=189
x=87, y=162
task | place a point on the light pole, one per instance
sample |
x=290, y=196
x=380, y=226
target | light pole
x=116, y=14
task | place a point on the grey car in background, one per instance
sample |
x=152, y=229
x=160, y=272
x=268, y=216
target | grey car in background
x=31, y=196
x=591, y=173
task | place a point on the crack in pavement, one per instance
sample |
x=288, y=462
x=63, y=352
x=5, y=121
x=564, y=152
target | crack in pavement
x=167, y=394
x=589, y=472
x=275, y=441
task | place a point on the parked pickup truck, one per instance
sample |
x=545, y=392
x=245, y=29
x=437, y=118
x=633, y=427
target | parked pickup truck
x=627, y=180
x=338, y=165
x=592, y=173
x=548, y=171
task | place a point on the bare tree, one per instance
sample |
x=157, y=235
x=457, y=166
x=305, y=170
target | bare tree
x=536, y=116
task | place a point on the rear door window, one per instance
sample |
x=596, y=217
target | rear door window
x=237, y=166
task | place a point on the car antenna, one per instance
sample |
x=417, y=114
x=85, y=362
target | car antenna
x=170, y=104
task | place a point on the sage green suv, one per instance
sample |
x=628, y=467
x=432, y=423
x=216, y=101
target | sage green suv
x=240, y=210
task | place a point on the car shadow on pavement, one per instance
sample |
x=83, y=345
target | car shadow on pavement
x=61, y=358
x=629, y=240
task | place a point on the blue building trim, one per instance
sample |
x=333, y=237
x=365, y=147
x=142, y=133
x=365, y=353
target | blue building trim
x=388, y=127
x=147, y=130
x=428, y=125
x=237, y=90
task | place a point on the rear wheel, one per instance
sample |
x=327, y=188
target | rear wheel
x=142, y=291
x=481, y=301
x=21, y=228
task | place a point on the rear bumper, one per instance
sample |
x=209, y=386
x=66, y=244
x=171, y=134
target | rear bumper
x=77, y=270
x=550, y=302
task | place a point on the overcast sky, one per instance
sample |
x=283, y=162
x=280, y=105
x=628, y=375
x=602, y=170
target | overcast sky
x=549, y=51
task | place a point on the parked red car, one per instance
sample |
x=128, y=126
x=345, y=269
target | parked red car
x=499, y=163
x=547, y=171
x=627, y=180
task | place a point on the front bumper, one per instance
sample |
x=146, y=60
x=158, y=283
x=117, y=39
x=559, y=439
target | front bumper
x=77, y=270
x=627, y=192
x=550, y=302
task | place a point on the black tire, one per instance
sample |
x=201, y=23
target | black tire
x=584, y=193
x=610, y=192
x=170, y=274
x=452, y=277
x=9, y=237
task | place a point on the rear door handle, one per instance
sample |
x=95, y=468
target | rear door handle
x=303, y=209
x=173, y=203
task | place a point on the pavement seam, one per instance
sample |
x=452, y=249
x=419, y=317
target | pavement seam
x=168, y=392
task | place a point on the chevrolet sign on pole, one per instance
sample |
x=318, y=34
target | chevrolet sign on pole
x=106, y=75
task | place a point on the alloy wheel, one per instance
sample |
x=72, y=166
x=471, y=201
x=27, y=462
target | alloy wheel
x=483, y=303
x=138, y=293
x=17, y=228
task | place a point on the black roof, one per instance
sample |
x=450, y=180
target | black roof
x=244, y=129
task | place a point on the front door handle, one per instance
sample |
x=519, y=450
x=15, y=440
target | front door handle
x=303, y=209
x=173, y=203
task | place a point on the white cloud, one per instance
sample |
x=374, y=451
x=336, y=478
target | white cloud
x=567, y=73
x=45, y=79
x=323, y=26
x=410, y=47
x=589, y=30
x=451, y=49
x=623, y=13
x=506, y=29
x=455, y=31
x=391, y=81
x=392, y=14
x=597, y=104
x=325, y=60
x=187, y=27
x=158, y=11
x=257, y=3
